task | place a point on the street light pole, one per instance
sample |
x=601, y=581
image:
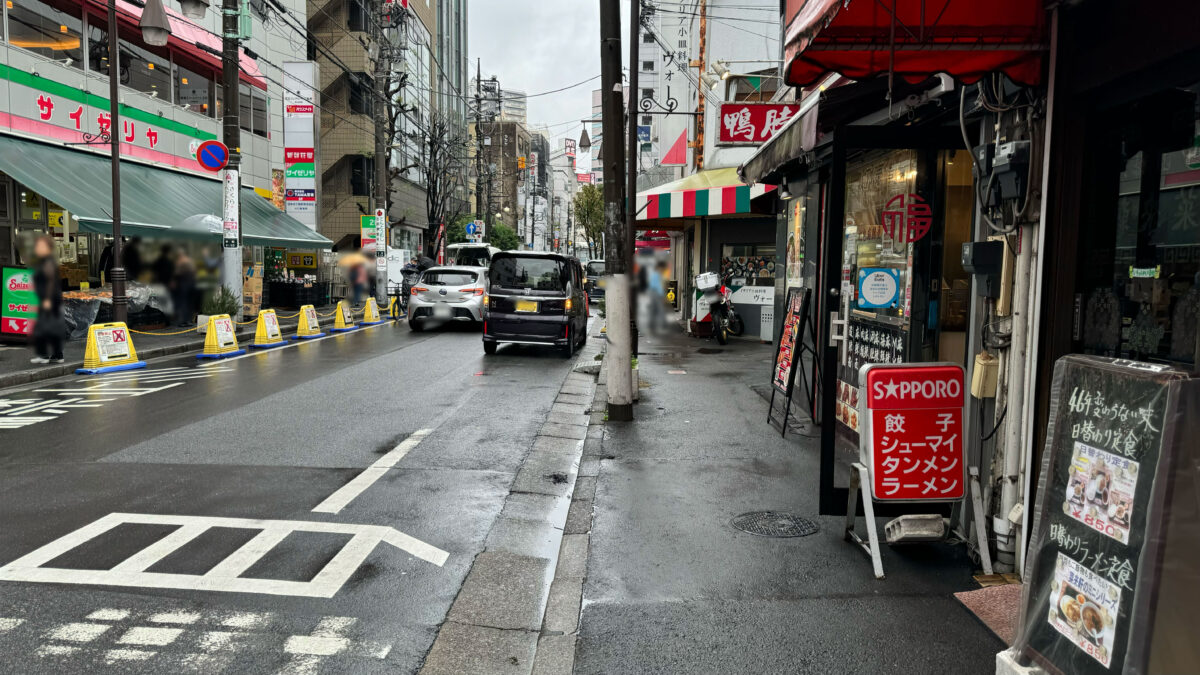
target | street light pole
x=120, y=301
x=620, y=374
x=635, y=24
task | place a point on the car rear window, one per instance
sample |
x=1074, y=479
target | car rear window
x=537, y=274
x=449, y=277
x=595, y=268
x=475, y=257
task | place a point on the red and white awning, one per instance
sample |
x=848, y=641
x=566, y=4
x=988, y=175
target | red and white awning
x=709, y=193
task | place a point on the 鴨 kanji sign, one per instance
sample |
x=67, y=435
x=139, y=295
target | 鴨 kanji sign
x=913, y=443
x=752, y=123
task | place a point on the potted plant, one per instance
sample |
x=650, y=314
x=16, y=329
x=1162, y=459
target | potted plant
x=219, y=301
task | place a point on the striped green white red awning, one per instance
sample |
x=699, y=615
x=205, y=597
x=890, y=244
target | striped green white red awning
x=708, y=193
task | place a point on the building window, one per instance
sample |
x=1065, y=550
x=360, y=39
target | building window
x=193, y=91
x=647, y=65
x=145, y=71
x=356, y=19
x=648, y=38
x=40, y=28
x=647, y=119
x=647, y=93
x=360, y=93
x=245, y=119
x=258, y=112
x=362, y=170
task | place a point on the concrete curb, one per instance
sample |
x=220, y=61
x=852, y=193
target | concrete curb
x=518, y=606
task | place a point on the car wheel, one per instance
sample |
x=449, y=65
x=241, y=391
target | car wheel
x=416, y=326
x=489, y=347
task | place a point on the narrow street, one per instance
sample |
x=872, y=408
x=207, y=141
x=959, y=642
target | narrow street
x=226, y=464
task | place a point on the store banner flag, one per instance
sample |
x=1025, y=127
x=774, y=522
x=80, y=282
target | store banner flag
x=19, y=310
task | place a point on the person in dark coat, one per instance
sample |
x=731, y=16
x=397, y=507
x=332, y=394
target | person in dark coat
x=183, y=289
x=50, y=329
x=131, y=259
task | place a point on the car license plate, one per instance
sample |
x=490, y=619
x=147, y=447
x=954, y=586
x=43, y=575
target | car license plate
x=600, y=283
x=441, y=312
x=526, y=306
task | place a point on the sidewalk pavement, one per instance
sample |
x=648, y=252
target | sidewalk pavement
x=15, y=368
x=672, y=586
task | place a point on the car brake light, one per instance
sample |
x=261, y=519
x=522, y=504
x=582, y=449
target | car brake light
x=418, y=289
x=473, y=291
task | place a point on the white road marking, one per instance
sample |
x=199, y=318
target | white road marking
x=246, y=620
x=150, y=636
x=56, y=650
x=108, y=615
x=113, y=655
x=78, y=632
x=9, y=624
x=337, y=501
x=316, y=646
x=224, y=577
x=215, y=640
x=176, y=617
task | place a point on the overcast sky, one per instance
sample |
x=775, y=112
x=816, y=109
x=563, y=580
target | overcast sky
x=539, y=45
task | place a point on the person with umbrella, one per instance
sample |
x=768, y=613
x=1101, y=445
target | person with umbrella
x=356, y=263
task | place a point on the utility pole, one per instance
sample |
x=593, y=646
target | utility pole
x=698, y=153
x=635, y=24
x=383, y=139
x=620, y=380
x=231, y=241
x=120, y=302
x=480, y=209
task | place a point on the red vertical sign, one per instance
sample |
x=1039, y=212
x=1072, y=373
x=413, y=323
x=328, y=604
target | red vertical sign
x=914, y=444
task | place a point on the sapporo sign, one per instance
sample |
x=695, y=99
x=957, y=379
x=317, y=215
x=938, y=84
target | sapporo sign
x=1120, y=441
x=19, y=308
x=913, y=443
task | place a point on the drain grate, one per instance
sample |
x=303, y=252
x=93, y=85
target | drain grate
x=774, y=524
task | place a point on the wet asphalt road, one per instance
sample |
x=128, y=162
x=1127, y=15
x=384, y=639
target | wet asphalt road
x=230, y=460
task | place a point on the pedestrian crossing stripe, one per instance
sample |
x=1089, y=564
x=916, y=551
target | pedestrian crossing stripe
x=226, y=575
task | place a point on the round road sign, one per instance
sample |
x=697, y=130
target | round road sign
x=212, y=155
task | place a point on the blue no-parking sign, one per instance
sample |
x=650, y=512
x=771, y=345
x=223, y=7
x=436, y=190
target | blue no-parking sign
x=212, y=155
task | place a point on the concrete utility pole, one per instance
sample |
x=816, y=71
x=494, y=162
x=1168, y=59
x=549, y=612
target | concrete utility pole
x=231, y=254
x=382, y=141
x=620, y=380
x=635, y=24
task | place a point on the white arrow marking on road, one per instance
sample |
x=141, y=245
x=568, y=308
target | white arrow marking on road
x=348, y=492
x=224, y=576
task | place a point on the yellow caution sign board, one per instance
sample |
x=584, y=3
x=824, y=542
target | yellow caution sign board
x=267, y=333
x=344, y=318
x=370, y=314
x=309, y=327
x=220, y=341
x=394, y=310
x=109, y=349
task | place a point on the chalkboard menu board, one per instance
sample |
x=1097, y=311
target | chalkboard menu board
x=1093, y=573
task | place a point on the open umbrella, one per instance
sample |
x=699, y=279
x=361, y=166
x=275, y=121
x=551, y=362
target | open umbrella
x=352, y=259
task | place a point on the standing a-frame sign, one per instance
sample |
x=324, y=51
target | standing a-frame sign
x=789, y=354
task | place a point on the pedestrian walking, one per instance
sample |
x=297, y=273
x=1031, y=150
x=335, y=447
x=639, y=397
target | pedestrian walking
x=183, y=289
x=50, y=329
x=107, y=260
x=358, y=280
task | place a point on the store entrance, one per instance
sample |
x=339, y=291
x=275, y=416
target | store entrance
x=893, y=284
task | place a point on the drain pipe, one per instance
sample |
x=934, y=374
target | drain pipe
x=1010, y=488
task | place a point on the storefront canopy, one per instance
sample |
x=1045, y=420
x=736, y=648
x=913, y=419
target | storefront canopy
x=154, y=202
x=714, y=192
x=914, y=39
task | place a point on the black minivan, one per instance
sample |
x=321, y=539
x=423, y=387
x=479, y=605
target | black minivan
x=535, y=298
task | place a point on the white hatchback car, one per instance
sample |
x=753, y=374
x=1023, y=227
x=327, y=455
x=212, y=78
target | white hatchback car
x=445, y=295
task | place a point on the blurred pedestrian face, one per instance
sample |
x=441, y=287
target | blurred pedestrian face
x=42, y=247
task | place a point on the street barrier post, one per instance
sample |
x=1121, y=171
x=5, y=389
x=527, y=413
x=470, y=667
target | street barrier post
x=310, y=326
x=109, y=349
x=344, y=321
x=220, y=341
x=370, y=314
x=267, y=333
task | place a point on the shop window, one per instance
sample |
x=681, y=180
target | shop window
x=362, y=171
x=145, y=71
x=193, y=91
x=258, y=102
x=42, y=29
x=748, y=264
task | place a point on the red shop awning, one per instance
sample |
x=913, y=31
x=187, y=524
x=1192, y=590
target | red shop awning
x=914, y=39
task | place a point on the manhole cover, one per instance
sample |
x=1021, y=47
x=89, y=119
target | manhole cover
x=709, y=350
x=774, y=524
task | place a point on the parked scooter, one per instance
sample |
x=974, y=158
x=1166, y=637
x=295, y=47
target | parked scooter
x=725, y=320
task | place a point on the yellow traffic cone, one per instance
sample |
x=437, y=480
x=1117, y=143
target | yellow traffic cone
x=220, y=341
x=344, y=320
x=267, y=333
x=309, y=326
x=109, y=349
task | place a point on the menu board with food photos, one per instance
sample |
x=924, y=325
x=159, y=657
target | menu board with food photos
x=1098, y=537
